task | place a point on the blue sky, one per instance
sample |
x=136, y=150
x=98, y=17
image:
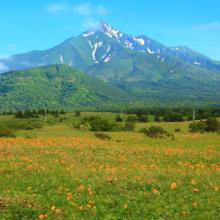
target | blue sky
x=40, y=24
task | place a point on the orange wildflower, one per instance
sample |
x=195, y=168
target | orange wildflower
x=154, y=190
x=125, y=206
x=57, y=211
x=195, y=190
x=109, y=179
x=173, y=186
x=81, y=208
x=53, y=208
x=193, y=182
x=43, y=216
x=90, y=191
x=29, y=168
x=69, y=197
x=81, y=188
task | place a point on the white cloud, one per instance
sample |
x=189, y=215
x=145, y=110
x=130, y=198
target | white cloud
x=56, y=7
x=91, y=24
x=81, y=9
x=3, y=68
x=207, y=27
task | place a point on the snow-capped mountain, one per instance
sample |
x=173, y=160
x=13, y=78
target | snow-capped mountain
x=112, y=55
x=138, y=65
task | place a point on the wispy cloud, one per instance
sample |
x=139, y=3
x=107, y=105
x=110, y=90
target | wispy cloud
x=57, y=7
x=81, y=9
x=91, y=24
x=3, y=68
x=206, y=27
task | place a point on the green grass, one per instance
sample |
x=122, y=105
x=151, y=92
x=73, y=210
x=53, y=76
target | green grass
x=128, y=177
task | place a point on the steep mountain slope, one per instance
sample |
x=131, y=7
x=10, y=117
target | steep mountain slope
x=55, y=86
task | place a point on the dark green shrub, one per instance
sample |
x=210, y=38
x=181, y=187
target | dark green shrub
x=76, y=125
x=129, y=126
x=208, y=125
x=173, y=117
x=6, y=132
x=198, y=126
x=177, y=130
x=77, y=113
x=142, y=118
x=62, y=112
x=24, y=124
x=102, y=136
x=99, y=124
x=118, y=118
x=131, y=118
x=143, y=130
x=212, y=125
x=156, y=132
x=26, y=114
x=157, y=118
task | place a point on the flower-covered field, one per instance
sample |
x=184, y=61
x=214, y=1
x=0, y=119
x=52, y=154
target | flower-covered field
x=67, y=174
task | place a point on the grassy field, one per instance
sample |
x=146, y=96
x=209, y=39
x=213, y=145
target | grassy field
x=58, y=172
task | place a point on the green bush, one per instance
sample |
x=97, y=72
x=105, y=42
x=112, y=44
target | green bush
x=197, y=126
x=102, y=136
x=129, y=126
x=131, y=118
x=212, y=125
x=6, y=132
x=77, y=113
x=208, y=125
x=99, y=124
x=142, y=118
x=118, y=118
x=24, y=124
x=156, y=132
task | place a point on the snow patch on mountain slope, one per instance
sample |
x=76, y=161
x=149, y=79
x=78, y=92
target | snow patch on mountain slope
x=111, y=32
x=90, y=44
x=107, y=59
x=109, y=35
x=61, y=58
x=139, y=40
x=129, y=45
x=105, y=55
x=89, y=34
x=197, y=63
x=95, y=47
x=150, y=51
x=121, y=35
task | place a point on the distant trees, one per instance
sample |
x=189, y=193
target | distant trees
x=209, y=125
x=175, y=114
x=26, y=114
x=77, y=113
x=118, y=118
